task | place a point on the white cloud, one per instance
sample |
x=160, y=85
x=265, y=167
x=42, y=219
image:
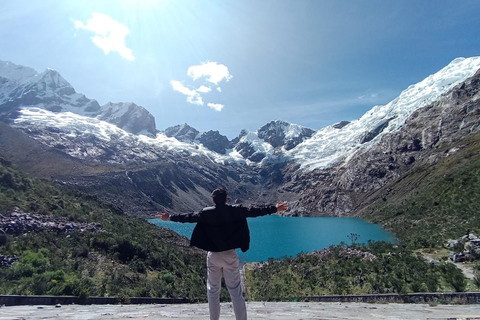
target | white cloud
x=109, y=34
x=193, y=96
x=216, y=106
x=213, y=72
x=196, y=99
x=210, y=73
x=204, y=89
x=178, y=86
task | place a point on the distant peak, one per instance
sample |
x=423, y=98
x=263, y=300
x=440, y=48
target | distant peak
x=50, y=73
x=12, y=71
x=182, y=132
x=54, y=80
x=120, y=104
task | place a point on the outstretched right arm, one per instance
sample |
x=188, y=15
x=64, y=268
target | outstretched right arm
x=165, y=216
x=281, y=206
x=190, y=217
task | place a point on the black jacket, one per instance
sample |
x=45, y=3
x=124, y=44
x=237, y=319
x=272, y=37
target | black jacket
x=222, y=227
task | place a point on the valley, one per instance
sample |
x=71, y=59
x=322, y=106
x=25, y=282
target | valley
x=412, y=166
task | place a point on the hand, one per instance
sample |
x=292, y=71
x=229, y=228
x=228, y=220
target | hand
x=282, y=206
x=165, y=216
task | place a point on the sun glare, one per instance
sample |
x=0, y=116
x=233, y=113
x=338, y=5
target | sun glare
x=142, y=4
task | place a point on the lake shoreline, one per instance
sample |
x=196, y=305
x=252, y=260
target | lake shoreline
x=280, y=237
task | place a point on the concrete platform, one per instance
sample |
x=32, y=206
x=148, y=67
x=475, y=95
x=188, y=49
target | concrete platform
x=256, y=310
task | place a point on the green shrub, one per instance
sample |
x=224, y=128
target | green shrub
x=393, y=270
x=120, y=259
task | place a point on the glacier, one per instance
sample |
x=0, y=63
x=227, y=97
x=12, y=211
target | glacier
x=331, y=147
x=70, y=126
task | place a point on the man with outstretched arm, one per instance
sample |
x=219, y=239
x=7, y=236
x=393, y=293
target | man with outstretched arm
x=220, y=230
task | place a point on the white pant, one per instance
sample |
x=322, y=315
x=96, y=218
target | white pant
x=225, y=263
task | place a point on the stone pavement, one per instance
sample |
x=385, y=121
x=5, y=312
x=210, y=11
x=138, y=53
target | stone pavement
x=256, y=310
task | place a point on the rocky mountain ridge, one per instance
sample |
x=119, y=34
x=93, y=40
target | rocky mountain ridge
x=111, y=152
x=278, y=134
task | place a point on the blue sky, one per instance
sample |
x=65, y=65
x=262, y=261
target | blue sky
x=231, y=65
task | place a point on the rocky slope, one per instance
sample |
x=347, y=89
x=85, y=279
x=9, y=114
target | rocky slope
x=429, y=134
x=18, y=223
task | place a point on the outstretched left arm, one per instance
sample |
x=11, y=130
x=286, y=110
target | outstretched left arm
x=281, y=206
x=253, y=212
x=189, y=217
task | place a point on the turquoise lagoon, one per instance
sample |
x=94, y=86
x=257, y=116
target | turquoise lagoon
x=277, y=237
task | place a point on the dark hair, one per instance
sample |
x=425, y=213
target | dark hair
x=219, y=196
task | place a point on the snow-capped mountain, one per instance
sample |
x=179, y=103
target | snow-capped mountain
x=333, y=146
x=429, y=143
x=182, y=132
x=211, y=140
x=46, y=90
x=270, y=142
x=284, y=135
x=98, y=141
x=130, y=117
x=215, y=141
x=336, y=144
x=252, y=148
x=16, y=73
x=326, y=168
x=255, y=147
x=24, y=87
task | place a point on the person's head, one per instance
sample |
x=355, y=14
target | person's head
x=219, y=196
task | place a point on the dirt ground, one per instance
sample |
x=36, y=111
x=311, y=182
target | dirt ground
x=256, y=310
